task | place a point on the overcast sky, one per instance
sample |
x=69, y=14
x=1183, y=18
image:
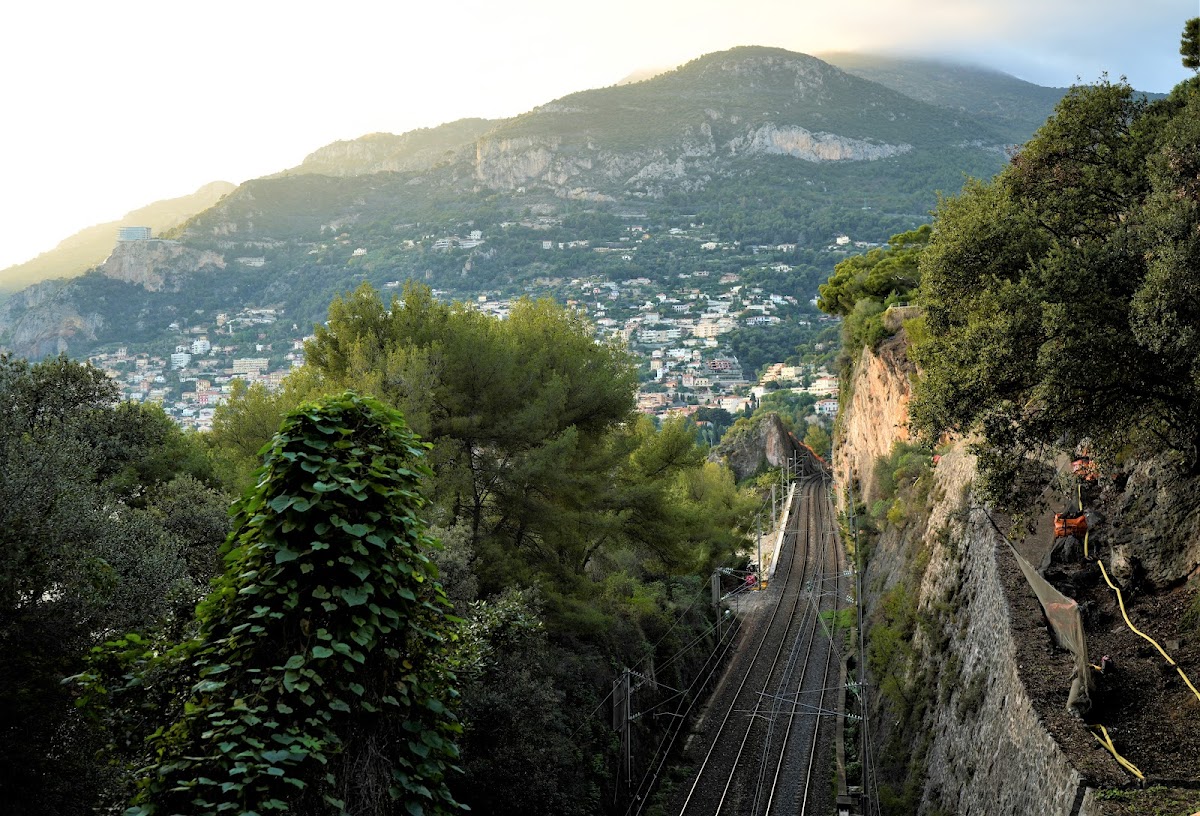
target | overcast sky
x=106, y=107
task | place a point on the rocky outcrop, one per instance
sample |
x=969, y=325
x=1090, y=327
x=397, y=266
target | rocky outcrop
x=1151, y=521
x=813, y=147
x=875, y=413
x=508, y=163
x=151, y=263
x=43, y=321
x=762, y=443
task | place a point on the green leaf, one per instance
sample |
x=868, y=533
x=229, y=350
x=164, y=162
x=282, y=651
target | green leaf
x=322, y=652
x=294, y=662
x=354, y=596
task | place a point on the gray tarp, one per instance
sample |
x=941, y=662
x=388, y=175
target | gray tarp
x=1067, y=625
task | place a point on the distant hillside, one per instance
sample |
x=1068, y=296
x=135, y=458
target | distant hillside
x=86, y=248
x=739, y=150
x=780, y=131
x=417, y=150
x=1013, y=106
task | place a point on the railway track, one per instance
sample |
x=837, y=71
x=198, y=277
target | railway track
x=759, y=748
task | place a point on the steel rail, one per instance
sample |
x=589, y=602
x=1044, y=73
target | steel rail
x=776, y=627
x=790, y=536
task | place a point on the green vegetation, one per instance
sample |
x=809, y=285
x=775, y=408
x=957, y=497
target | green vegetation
x=107, y=524
x=319, y=676
x=905, y=641
x=572, y=530
x=1060, y=300
x=1155, y=800
x=862, y=288
x=323, y=674
x=882, y=275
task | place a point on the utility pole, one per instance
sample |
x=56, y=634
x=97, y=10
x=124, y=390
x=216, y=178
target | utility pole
x=865, y=734
x=716, y=600
x=622, y=714
x=774, y=506
x=759, y=580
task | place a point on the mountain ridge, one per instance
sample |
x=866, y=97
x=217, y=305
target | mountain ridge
x=90, y=246
x=757, y=145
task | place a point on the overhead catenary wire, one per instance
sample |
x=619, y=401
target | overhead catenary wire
x=708, y=670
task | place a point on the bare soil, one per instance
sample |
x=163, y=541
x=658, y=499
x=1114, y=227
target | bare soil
x=1150, y=713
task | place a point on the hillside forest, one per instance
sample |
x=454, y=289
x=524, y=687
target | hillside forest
x=536, y=537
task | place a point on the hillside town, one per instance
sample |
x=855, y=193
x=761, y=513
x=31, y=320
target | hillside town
x=677, y=330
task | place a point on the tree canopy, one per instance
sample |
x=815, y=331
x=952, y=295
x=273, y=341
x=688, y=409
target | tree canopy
x=880, y=274
x=1061, y=300
x=91, y=545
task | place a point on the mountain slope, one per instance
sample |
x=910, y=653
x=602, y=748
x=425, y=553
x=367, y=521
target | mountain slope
x=748, y=101
x=748, y=147
x=88, y=247
x=1014, y=107
x=416, y=150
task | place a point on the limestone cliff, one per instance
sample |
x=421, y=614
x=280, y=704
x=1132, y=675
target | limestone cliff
x=874, y=414
x=504, y=163
x=53, y=317
x=152, y=264
x=813, y=147
x=43, y=321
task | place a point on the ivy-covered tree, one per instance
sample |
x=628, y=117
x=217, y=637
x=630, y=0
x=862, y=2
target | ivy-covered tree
x=1060, y=300
x=319, y=681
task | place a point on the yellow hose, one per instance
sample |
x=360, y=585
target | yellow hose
x=1167, y=657
x=1121, y=602
x=1107, y=742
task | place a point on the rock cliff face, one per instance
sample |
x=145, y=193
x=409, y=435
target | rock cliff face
x=507, y=163
x=42, y=321
x=766, y=443
x=984, y=748
x=51, y=318
x=875, y=415
x=151, y=263
x=813, y=147
x=1152, y=523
